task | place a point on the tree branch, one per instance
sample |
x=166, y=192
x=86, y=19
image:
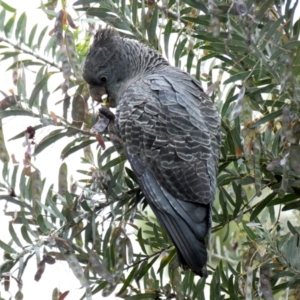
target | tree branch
x=30, y=52
x=147, y=257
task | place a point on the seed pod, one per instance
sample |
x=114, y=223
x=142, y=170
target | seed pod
x=72, y=54
x=257, y=171
x=248, y=135
x=6, y=283
x=49, y=259
x=36, y=192
x=119, y=245
x=239, y=8
x=4, y=156
x=176, y=284
x=19, y=295
x=40, y=271
x=88, y=153
x=238, y=105
x=286, y=121
x=215, y=26
x=248, y=286
x=8, y=102
x=51, y=5
x=58, y=27
x=66, y=67
x=285, y=175
x=63, y=180
x=247, y=112
x=120, y=258
x=100, y=269
x=264, y=286
x=71, y=22
x=73, y=186
x=76, y=268
x=273, y=164
x=296, y=131
x=15, y=71
x=78, y=112
x=78, y=109
x=27, y=164
x=295, y=158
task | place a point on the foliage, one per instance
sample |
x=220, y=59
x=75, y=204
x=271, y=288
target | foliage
x=102, y=227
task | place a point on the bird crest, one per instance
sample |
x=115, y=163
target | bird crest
x=104, y=37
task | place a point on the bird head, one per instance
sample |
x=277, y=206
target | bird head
x=106, y=68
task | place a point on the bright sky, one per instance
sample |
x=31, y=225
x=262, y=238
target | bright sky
x=58, y=275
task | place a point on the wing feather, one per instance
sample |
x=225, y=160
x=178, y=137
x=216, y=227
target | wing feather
x=170, y=130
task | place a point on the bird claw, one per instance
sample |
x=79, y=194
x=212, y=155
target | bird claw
x=105, y=111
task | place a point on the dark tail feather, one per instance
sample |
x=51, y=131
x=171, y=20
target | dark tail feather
x=185, y=222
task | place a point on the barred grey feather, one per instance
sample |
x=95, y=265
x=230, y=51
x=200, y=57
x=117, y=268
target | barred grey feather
x=170, y=133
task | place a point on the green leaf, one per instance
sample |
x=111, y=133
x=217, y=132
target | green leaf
x=2, y=19
x=250, y=233
x=25, y=63
x=8, y=28
x=20, y=31
x=141, y=296
x=38, y=87
x=274, y=28
x=197, y=4
x=264, y=203
x=127, y=281
x=239, y=76
x=74, y=149
x=22, y=134
x=83, y=2
x=8, y=54
x=41, y=36
x=44, y=102
x=15, y=112
x=131, y=175
x=42, y=224
x=7, y=7
x=134, y=10
x=286, y=199
x=14, y=235
x=178, y=51
x=293, y=205
x=6, y=247
x=10, y=199
x=113, y=162
x=105, y=15
x=53, y=210
x=190, y=59
x=53, y=137
x=141, y=241
x=166, y=260
x=292, y=228
x=201, y=20
x=14, y=176
x=153, y=25
x=105, y=155
x=267, y=118
x=167, y=34
x=32, y=35
x=144, y=268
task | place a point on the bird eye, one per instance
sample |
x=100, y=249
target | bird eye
x=103, y=79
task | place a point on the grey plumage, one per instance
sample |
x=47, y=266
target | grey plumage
x=170, y=133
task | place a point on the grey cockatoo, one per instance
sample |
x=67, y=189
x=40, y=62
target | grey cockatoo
x=170, y=133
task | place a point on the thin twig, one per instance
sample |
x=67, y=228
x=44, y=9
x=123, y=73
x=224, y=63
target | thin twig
x=30, y=52
x=147, y=257
x=171, y=14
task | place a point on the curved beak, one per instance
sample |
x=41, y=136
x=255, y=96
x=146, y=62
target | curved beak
x=97, y=93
